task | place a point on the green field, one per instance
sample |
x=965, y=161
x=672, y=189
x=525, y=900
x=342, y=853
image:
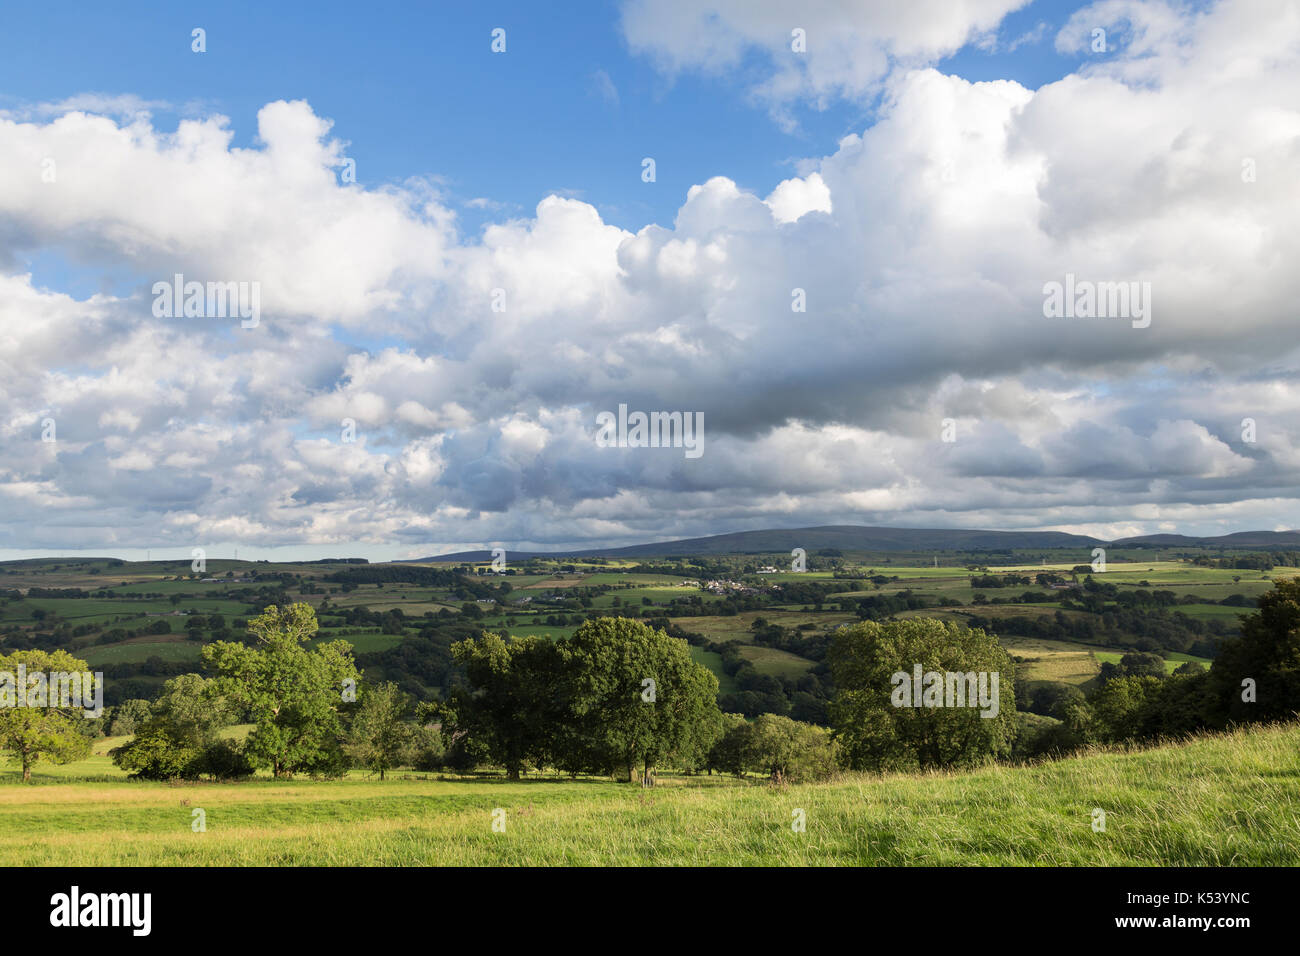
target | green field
x=726, y=683
x=421, y=606
x=1053, y=660
x=736, y=627
x=1173, y=660
x=1225, y=800
x=778, y=663
x=1213, y=611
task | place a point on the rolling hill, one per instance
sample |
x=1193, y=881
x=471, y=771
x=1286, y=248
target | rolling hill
x=863, y=538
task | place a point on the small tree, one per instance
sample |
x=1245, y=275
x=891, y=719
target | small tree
x=1118, y=706
x=1142, y=664
x=694, y=754
x=786, y=749
x=179, y=739
x=127, y=717
x=45, y=731
x=727, y=754
x=379, y=735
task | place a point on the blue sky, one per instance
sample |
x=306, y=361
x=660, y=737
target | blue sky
x=417, y=92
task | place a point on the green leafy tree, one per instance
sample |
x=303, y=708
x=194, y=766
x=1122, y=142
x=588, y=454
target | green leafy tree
x=155, y=753
x=428, y=748
x=128, y=716
x=634, y=698
x=727, y=754
x=1078, y=727
x=788, y=750
x=380, y=735
x=510, y=715
x=784, y=749
x=694, y=754
x=1118, y=706
x=180, y=737
x=876, y=734
x=1267, y=653
x=1051, y=698
x=1134, y=664
x=293, y=695
x=1183, y=704
x=43, y=732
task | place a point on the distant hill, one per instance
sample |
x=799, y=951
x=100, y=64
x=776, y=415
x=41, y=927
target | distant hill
x=783, y=540
x=843, y=537
x=1272, y=540
x=861, y=538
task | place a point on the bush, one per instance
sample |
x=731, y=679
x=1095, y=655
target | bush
x=225, y=760
x=179, y=738
x=156, y=753
x=427, y=750
x=789, y=750
x=785, y=749
x=1036, y=735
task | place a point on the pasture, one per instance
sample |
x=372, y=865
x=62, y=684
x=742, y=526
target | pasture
x=1214, y=801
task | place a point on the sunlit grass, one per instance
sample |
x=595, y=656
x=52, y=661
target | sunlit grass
x=1218, y=800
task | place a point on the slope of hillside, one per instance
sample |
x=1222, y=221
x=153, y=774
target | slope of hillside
x=1224, y=800
x=843, y=537
x=1273, y=540
x=862, y=538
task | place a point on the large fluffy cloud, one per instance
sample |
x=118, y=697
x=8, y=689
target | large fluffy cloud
x=842, y=49
x=190, y=202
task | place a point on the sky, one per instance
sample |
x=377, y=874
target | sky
x=841, y=265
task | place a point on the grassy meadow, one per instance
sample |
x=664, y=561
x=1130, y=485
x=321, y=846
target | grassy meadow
x=1223, y=800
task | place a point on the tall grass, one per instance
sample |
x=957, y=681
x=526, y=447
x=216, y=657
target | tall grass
x=1218, y=800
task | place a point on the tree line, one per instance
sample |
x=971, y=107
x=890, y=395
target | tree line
x=1254, y=678
x=623, y=698
x=617, y=697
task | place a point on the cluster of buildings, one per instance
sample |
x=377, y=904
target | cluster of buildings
x=729, y=587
